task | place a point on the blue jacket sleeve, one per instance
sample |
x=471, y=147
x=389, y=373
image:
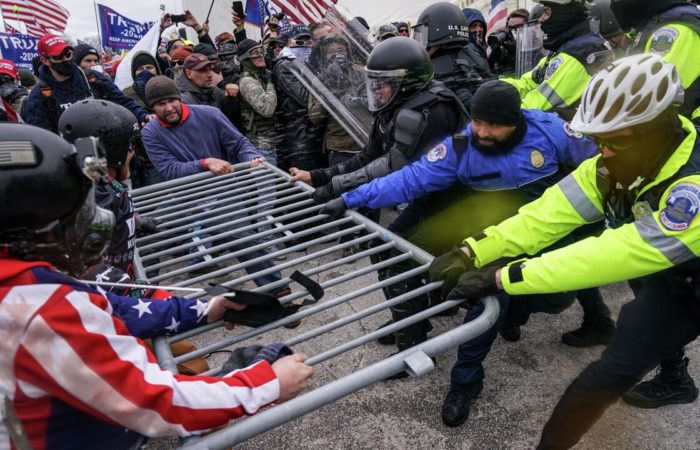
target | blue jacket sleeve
x=147, y=318
x=576, y=148
x=237, y=147
x=36, y=115
x=435, y=171
x=117, y=96
x=163, y=159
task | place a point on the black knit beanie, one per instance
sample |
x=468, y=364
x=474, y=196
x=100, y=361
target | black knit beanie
x=82, y=50
x=496, y=102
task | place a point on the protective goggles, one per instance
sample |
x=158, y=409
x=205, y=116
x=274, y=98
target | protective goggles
x=255, y=52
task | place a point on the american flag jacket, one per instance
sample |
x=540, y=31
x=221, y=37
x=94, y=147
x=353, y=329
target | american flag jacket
x=78, y=375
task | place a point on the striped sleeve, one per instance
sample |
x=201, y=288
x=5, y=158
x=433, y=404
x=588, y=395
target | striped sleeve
x=76, y=351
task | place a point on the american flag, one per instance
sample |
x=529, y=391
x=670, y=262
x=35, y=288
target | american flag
x=10, y=29
x=498, y=16
x=302, y=11
x=39, y=16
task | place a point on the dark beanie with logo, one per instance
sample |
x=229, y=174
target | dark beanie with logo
x=497, y=102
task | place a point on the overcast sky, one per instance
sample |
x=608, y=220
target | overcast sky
x=82, y=12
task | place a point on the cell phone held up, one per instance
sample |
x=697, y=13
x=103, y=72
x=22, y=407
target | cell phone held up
x=237, y=7
x=178, y=18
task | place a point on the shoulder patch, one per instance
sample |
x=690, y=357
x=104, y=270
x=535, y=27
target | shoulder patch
x=662, y=40
x=437, y=153
x=552, y=67
x=536, y=159
x=682, y=205
x=572, y=133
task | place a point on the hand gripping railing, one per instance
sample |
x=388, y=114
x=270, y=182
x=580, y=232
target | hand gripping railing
x=221, y=221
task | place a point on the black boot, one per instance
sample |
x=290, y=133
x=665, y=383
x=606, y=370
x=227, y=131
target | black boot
x=510, y=331
x=671, y=385
x=390, y=339
x=455, y=409
x=597, y=328
x=598, y=331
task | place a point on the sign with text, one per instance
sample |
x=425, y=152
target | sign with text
x=19, y=48
x=119, y=32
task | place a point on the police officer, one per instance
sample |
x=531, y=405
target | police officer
x=670, y=29
x=603, y=18
x=442, y=29
x=576, y=53
x=506, y=157
x=646, y=184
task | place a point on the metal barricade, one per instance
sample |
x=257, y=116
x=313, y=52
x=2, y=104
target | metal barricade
x=230, y=223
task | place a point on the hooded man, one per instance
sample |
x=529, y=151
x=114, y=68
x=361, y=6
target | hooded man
x=143, y=67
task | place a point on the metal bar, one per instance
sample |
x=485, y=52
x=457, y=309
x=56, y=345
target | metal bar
x=186, y=194
x=216, y=237
x=219, y=218
x=243, y=240
x=218, y=273
x=251, y=199
x=161, y=347
x=316, y=270
x=335, y=390
x=181, y=203
x=306, y=312
x=191, y=180
x=180, y=238
x=218, y=221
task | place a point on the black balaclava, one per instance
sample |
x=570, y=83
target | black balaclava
x=565, y=22
x=635, y=13
x=644, y=157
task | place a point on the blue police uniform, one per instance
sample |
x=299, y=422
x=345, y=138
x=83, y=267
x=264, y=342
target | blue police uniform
x=548, y=150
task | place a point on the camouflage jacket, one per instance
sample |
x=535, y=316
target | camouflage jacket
x=258, y=105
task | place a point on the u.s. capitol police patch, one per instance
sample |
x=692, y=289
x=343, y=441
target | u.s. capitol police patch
x=437, y=153
x=682, y=205
x=552, y=67
x=572, y=133
x=662, y=40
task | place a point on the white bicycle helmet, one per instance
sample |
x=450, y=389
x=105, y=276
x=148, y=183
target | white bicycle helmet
x=630, y=91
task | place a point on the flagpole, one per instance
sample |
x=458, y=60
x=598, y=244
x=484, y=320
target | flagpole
x=97, y=22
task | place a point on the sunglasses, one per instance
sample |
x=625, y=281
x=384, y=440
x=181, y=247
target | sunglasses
x=179, y=62
x=274, y=45
x=302, y=42
x=68, y=54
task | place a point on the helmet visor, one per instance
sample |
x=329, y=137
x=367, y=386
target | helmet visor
x=382, y=86
x=420, y=34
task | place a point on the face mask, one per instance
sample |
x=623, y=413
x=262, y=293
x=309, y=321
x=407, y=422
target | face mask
x=142, y=78
x=477, y=37
x=98, y=68
x=64, y=68
x=301, y=53
x=562, y=20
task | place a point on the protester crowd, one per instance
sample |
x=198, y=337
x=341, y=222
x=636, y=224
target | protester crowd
x=585, y=157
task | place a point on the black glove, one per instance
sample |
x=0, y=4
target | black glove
x=334, y=208
x=266, y=76
x=146, y=226
x=323, y=194
x=475, y=284
x=449, y=266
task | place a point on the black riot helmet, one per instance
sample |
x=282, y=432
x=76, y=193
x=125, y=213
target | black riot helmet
x=115, y=126
x=396, y=69
x=47, y=202
x=441, y=23
x=604, y=17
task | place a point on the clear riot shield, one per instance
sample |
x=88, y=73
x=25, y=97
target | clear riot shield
x=334, y=73
x=529, y=40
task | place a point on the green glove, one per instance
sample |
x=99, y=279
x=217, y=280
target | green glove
x=475, y=284
x=449, y=266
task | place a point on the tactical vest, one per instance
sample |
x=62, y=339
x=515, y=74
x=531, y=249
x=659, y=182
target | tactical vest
x=384, y=133
x=458, y=74
x=253, y=123
x=689, y=16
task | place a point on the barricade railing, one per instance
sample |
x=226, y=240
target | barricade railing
x=214, y=229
